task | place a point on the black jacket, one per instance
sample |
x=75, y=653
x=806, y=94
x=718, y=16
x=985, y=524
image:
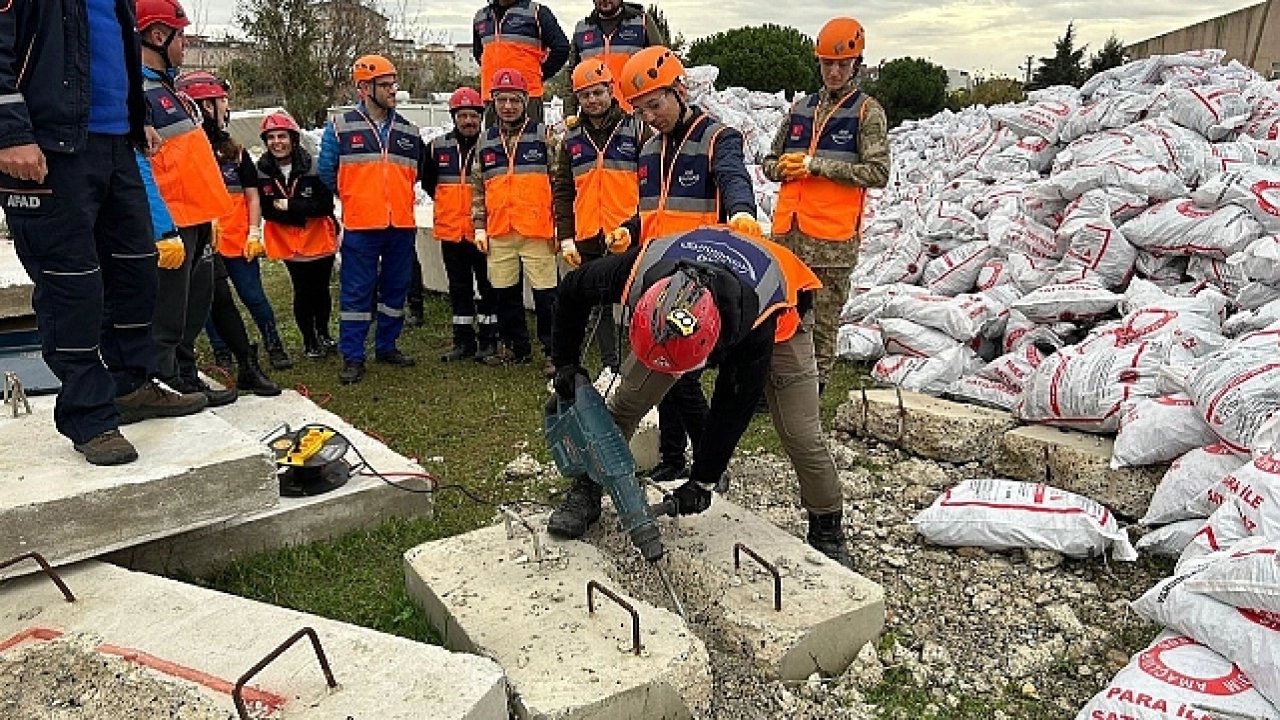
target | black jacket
x=308, y=196
x=46, y=44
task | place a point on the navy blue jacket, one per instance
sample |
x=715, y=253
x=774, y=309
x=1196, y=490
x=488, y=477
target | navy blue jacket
x=44, y=73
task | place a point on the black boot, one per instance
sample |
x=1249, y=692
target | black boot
x=252, y=379
x=580, y=509
x=826, y=535
x=667, y=471
x=223, y=358
x=276, y=353
x=486, y=350
x=459, y=352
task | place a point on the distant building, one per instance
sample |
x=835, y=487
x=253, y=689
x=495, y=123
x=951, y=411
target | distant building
x=465, y=60
x=1250, y=35
x=958, y=80
x=205, y=53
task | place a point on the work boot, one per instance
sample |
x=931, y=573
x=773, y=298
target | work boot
x=395, y=357
x=668, y=471
x=108, y=448
x=216, y=398
x=826, y=535
x=458, y=352
x=153, y=400
x=506, y=356
x=486, y=351
x=580, y=509
x=313, y=350
x=413, y=317
x=352, y=372
x=223, y=358
x=252, y=379
x=327, y=343
x=277, y=355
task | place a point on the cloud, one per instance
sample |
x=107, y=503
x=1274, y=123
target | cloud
x=985, y=36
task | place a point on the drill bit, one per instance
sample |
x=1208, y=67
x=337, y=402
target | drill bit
x=671, y=590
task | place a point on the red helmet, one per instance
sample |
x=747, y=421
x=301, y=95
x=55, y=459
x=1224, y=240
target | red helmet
x=202, y=85
x=676, y=324
x=279, y=120
x=465, y=97
x=165, y=12
x=508, y=79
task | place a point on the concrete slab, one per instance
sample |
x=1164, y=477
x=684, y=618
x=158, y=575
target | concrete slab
x=365, y=501
x=1078, y=462
x=208, y=638
x=927, y=426
x=485, y=596
x=192, y=472
x=15, y=286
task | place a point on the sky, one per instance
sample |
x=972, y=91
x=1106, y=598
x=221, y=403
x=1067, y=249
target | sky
x=984, y=37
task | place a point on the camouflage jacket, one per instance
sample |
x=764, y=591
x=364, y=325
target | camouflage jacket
x=873, y=147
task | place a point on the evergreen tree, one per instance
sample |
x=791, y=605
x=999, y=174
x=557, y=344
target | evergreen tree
x=1066, y=67
x=1111, y=55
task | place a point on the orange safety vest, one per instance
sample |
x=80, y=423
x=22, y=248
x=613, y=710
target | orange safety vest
x=517, y=187
x=822, y=208
x=685, y=196
x=774, y=272
x=604, y=178
x=318, y=238
x=185, y=168
x=453, y=190
x=233, y=228
x=615, y=48
x=375, y=181
x=514, y=42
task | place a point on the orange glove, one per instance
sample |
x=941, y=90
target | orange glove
x=793, y=166
x=569, y=249
x=745, y=224
x=482, y=241
x=172, y=253
x=570, y=122
x=618, y=239
x=253, y=247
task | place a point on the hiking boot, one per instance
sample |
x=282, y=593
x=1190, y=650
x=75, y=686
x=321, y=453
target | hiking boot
x=314, y=350
x=278, y=356
x=413, y=317
x=667, y=472
x=505, y=356
x=216, y=398
x=580, y=509
x=352, y=372
x=826, y=535
x=457, y=353
x=153, y=400
x=252, y=379
x=223, y=358
x=395, y=357
x=107, y=448
x=486, y=351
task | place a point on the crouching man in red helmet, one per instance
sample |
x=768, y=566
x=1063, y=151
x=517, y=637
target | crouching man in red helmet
x=708, y=297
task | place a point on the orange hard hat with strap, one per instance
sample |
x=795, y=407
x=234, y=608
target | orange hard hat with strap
x=591, y=71
x=840, y=39
x=652, y=68
x=368, y=67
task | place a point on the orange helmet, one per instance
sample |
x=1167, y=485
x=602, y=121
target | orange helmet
x=166, y=12
x=590, y=72
x=280, y=120
x=508, y=80
x=840, y=39
x=652, y=68
x=676, y=324
x=368, y=67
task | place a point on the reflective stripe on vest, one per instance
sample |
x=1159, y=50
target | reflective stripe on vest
x=823, y=208
x=605, y=190
x=185, y=168
x=686, y=196
x=614, y=48
x=775, y=274
x=452, y=206
x=513, y=42
x=517, y=187
x=375, y=182
x=319, y=238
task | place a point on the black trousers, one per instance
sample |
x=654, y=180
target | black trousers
x=681, y=412
x=84, y=237
x=225, y=316
x=511, y=322
x=415, y=298
x=183, y=299
x=467, y=270
x=312, y=301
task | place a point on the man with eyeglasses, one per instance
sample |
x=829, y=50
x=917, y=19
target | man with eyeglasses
x=594, y=182
x=613, y=32
x=520, y=35
x=369, y=157
x=832, y=148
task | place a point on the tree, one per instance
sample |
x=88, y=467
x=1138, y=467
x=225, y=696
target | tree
x=766, y=57
x=285, y=31
x=1111, y=55
x=250, y=84
x=909, y=89
x=995, y=91
x=1066, y=67
x=675, y=42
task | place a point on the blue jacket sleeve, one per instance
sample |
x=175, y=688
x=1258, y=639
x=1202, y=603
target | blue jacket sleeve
x=553, y=41
x=327, y=163
x=161, y=221
x=736, y=191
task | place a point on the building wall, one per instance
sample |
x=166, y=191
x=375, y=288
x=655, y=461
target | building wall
x=1234, y=32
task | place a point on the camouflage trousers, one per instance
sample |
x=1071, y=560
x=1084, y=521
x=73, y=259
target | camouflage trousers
x=831, y=262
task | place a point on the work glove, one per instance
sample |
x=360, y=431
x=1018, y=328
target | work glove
x=745, y=224
x=482, y=241
x=569, y=249
x=566, y=381
x=171, y=251
x=281, y=204
x=692, y=498
x=253, y=247
x=570, y=122
x=618, y=240
x=793, y=166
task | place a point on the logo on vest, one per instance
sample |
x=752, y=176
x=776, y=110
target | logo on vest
x=306, y=192
x=24, y=202
x=489, y=157
x=443, y=158
x=575, y=150
x=796, y=131
x=643, y=173
x=689, y=178
x=841, y=137
x=627, y=148
x=628, y=34
x=532, y=155
x=167, y=104
x=721, y=254
x=357, y=141
x=588, y=37
x=405, y=143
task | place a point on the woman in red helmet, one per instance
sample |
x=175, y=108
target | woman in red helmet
x=298, y=228
x=708, y=297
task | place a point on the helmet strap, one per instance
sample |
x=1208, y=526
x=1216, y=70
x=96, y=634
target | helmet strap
x=162, y=49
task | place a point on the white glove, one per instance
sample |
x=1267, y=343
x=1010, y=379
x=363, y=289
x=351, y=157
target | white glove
x=482, y=241
x=282, y=205
x=569, y=249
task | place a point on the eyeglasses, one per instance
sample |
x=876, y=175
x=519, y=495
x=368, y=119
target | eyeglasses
x=387, y=85
x=651, y=106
